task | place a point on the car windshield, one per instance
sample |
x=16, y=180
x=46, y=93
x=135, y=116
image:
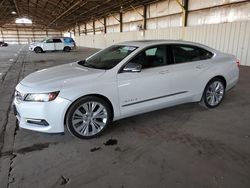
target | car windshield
x=108, y=58
x=43, y=40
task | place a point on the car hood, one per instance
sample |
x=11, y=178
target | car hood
x=34, y=43
x=54, y=78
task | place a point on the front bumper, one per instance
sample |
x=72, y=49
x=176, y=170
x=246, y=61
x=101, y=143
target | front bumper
x=47, y=117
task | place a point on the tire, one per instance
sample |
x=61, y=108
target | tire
x=66, y=49
x=214, y=93
x=81, y=118
x=38, y=50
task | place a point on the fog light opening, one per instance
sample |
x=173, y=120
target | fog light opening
x=40, y=122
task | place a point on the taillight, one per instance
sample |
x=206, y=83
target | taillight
x=238, y=62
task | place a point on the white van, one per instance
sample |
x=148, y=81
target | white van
x=51, y=44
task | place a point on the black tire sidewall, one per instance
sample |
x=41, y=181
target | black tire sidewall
x=66, y=49
x=204, y=98
x=38, y=50
x=79, y=102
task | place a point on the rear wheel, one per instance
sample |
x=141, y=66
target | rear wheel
x=38, y=50
x=88, y=117
x=213, y=93
x=67, y=49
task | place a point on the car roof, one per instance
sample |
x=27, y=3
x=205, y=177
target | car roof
x=146, y=43
x=59, y=38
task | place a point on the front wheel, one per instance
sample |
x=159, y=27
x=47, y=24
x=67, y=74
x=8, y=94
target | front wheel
x=88, y=117
x=213, y=93
x=38, y=50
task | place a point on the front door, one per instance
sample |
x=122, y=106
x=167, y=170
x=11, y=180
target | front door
x=48, y=45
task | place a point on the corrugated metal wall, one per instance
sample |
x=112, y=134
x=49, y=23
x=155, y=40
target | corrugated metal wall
x=223, y=25
x=233, y=38
x=25, y=35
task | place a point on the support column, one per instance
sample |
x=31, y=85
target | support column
x=74, y=30
x=79, y=30
x=121, y=22
x=33, y=34
x=184, y=6
x=145, y=17
x=105, y=25
x=18, y=37
x=2, y=34
x=94, y=27
x=85, y=28
x=185, y=12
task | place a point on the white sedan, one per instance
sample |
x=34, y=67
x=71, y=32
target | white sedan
x=120, y=81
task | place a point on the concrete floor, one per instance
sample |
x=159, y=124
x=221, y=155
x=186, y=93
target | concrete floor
x=184, y=146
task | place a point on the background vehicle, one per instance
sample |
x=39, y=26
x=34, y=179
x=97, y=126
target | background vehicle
x=123, y=80
x=52, y=44
x=3, y=43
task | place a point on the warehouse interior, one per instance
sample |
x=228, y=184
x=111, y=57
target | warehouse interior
x=181, y=146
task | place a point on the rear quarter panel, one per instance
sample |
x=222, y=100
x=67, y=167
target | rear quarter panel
x=223, y=65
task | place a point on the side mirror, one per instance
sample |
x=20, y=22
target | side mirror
x=132, y=67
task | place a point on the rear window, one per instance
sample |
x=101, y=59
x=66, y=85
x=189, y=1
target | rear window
x=68, y=40
x=188, y=53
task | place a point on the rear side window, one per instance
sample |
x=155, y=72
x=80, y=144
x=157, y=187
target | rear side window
x=188, y=53
x=57, y=40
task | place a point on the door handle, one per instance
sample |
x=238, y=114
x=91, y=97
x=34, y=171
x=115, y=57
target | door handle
x=164, y=72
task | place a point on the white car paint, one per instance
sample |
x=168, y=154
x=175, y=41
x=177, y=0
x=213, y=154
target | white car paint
x=168, y=85
x=49, y=45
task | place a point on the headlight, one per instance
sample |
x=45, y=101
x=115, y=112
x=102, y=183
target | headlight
x=41, y=97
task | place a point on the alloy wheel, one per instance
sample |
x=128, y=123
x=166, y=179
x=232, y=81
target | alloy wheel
x=89, y=118
x=215, y=93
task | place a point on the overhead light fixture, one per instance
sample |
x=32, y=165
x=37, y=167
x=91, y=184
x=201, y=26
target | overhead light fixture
x=13, y=12
x=23, y=21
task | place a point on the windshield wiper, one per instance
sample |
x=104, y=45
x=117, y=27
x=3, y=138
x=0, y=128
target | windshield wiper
x=90, y=66
x=83, y=63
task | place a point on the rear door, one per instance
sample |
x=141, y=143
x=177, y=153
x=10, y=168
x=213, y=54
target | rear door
x=59, y=45
x=149, y=89
x=188, y=64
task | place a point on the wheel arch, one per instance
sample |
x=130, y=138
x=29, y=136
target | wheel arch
x=95, y=95
x=66, y=47
x=219, y=77
x=38, y=47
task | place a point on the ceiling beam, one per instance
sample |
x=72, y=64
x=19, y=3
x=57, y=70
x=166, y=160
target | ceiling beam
x=17, y=8
x=1, y=3
x=65, y=12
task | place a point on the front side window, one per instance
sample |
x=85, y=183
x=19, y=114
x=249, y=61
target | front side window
x=49, y=41
x=108, y=58
x=151, y=57
x=188, y=53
